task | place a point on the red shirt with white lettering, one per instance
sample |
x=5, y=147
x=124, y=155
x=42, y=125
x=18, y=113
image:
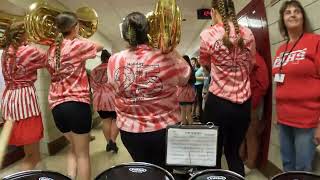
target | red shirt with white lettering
x=146, y=83
x=298, y=97
x=230, y=69
x=103, y=92
x=19, y=69
x=70, y=81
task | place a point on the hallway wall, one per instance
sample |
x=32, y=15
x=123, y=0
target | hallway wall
x=312, y=9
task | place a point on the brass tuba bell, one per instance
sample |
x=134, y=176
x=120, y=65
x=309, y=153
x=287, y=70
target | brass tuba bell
x=5, y=22
x=41, y=27
x=165, y=25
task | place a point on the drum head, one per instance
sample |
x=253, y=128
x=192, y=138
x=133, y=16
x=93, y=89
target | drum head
x=296, y=176
x=134, y=172
x=216, y=175
x=36, y=175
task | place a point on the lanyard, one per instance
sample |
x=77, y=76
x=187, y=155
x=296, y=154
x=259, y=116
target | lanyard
x=284, y=53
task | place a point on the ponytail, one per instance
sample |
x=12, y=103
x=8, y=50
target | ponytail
x=57, y=52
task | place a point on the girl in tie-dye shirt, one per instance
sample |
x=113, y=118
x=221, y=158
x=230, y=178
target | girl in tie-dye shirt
x=145, y=81
x=228, y=51
x=69, y=96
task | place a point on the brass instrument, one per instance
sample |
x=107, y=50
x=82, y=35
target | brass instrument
x=165, y=25
x=5, y=22
x=40, y=22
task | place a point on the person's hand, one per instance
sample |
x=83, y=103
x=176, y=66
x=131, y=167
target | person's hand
x=317, y=136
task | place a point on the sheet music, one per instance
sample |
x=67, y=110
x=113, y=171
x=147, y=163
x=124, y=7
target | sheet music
x=192, y=147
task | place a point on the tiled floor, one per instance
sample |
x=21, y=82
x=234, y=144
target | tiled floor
x=100, y=159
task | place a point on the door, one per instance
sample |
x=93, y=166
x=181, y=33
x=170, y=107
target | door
x=254, y=17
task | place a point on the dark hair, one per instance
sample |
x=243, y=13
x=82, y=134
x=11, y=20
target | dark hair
x=282, y=27
x=197, y=62
x=65, y=22
x=105, y=55
x=227, y=11
x=135, y=29
x=192, y=78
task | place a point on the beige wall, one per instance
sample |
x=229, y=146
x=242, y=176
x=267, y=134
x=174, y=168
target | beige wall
x=312, y=8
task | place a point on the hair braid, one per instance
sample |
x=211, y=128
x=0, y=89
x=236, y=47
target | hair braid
x=225, y=16
x=57, y=52
x=232, y=15
x=132, y=35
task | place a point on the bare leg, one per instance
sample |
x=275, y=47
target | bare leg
x=183, y=115
x=252, y=142
x=32, y=156
x=71, y=158
x=106, y=128
x=114, y=131
x=81, y=148
x=189, y=114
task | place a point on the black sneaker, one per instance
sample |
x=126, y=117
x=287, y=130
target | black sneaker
x=114, y=147
x=109, y=146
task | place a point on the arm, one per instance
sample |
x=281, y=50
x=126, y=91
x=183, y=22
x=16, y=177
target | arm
x=259, y=79
x=205, y=54
x=98, y=46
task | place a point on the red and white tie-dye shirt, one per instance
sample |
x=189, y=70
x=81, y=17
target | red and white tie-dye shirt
x=230, y=69
x=103, y=92
x=19, y=68
x=145, y=81
x=186, y=93
x=70, y=82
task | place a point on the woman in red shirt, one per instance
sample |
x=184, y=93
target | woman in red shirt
x=145, y=81
x=20, y=62
x=69, y=96
x=103, y=101
x=228, y=50
x=296, y=71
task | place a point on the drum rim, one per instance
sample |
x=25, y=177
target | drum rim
x=215, y=170
x=137, y=163
x=298, y=172
x=33, y=171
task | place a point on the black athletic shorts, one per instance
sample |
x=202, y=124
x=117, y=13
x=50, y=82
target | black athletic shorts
x=107, y=114
x=73, y=117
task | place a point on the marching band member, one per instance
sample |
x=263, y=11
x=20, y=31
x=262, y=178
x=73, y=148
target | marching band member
x=228, y=50
x=20, y=62
x=103, y=101
x=69, y=96
x=186, y=96
x=145, y=81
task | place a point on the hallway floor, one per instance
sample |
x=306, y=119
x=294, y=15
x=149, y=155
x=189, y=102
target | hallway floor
x=100, y=159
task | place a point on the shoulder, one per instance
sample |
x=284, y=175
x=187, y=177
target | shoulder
x=212, y=31
x=247, y=33
x=78, y=42
x=30, y=49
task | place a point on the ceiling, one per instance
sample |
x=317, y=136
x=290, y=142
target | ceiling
x=111, y=13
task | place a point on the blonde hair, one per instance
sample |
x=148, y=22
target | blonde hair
x=14, y=37
x=227, y=11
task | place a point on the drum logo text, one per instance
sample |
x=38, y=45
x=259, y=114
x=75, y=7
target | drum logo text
x=137, y=170
x=45, y=178
x=216, y=178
